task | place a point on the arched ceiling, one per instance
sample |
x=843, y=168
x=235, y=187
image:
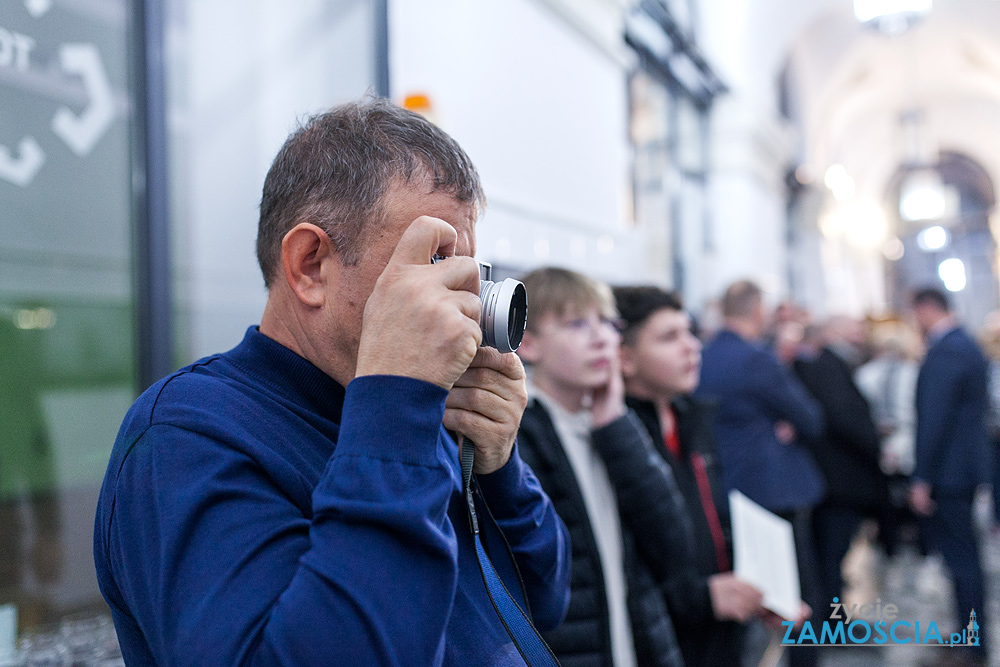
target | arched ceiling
x=848, y=87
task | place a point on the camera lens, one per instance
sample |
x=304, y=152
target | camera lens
x=517, y=316
x=504, y=313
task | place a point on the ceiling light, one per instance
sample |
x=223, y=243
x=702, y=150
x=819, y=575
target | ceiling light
x=932, y=239
x=839, y=181
x=922, y=196
x=952, y=273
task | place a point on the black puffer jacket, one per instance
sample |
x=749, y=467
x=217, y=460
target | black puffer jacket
x=638, y=475
x=705, y=641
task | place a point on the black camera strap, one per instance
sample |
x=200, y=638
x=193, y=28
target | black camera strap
x=529, y=643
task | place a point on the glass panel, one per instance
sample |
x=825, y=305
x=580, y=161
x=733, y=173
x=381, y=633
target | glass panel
x=240, y=73
x=67, y=371
x=690, y=144
x=649, y=132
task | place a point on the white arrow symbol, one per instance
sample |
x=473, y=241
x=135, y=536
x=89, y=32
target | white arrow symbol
x=21, y=171
x=81, y=133
x=38, y=7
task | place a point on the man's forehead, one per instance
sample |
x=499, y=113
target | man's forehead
x=418, y=197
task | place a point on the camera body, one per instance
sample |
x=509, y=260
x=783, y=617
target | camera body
x=504, y=312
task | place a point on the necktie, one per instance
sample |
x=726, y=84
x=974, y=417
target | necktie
x=524, y=635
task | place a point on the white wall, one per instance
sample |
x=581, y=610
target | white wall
x=240, y=74
x=540, y=104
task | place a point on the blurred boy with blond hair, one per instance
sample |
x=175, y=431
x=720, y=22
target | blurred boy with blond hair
x=631, y=538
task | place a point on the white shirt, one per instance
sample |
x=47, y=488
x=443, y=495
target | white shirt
x=602, y=510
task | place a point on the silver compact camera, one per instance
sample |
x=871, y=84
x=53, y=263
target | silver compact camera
x=504, y=311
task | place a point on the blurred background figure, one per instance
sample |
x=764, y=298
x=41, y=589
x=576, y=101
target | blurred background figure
x=990, y=339
x=661, y=364
x=763, y=420
x=889, y=384
x=953, y=456
x=848, y=450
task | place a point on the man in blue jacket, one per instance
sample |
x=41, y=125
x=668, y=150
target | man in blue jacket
x=297, y=500
x=763, y=415
x=952, y=449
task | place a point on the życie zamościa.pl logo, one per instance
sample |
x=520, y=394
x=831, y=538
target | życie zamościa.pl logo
x=875, y=623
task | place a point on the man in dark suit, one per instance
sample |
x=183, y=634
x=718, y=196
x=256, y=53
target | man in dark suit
x=848, y=450
x=763, y=417
x=952, y=449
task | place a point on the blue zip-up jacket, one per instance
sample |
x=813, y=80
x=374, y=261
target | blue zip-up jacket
x=256, y=513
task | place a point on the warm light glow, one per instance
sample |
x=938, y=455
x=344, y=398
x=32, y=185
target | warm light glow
x=932, y=238
x=862, y=222
x=893, y=250
x=839, y=181
x=418, y=102
x=867, y=10
x=952, y=273
x=36, y=318
x=923, y=197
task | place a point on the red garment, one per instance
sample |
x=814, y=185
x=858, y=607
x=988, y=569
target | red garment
x=673, y=444
x=711, y=514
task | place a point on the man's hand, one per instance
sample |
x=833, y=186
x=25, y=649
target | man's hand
x=734, y=599
x=486, y=405
x=920, y=498
x=608, y=402
x=785, y=432
x=422, y=319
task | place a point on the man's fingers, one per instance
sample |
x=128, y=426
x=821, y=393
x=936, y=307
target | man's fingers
x=469, y=304
x=467, y=421
x=460, y=273
x=424, y=237
x=474, y=399
x=507, y=364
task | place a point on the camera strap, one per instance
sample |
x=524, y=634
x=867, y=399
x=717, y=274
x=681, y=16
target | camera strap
x=529, y=643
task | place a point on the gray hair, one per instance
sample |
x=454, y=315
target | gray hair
x=336, y=169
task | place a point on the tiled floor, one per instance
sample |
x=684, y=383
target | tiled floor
x=920, y=588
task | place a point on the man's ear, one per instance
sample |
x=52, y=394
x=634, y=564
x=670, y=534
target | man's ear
x=304, y=250
x=528, y=351
x=629, y=366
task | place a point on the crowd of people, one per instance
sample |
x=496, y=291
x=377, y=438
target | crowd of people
x=300, y=499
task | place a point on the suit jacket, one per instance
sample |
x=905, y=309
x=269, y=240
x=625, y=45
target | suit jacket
x=952, y=398
x=752, y=392
x=848, y=450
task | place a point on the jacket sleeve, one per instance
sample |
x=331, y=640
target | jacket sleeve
x=653, y=509
x=536, y=535
x=223, y=569
x=847, y=415
x=937, y=392
x=784, y=397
